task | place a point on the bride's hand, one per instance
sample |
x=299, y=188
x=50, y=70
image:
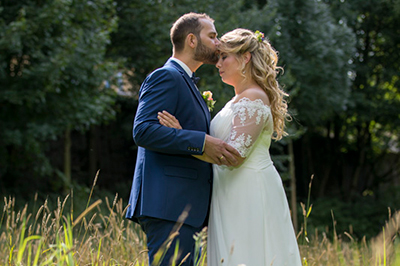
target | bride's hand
x=168, y=120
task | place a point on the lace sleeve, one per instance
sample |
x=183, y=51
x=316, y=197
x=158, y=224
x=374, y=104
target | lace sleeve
x=248, y=122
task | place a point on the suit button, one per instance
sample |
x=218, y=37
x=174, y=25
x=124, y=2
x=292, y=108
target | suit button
x=209, y=181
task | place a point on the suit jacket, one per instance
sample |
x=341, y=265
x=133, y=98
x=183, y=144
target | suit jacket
x=167, y=178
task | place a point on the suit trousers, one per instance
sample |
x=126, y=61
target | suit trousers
x=158, y=231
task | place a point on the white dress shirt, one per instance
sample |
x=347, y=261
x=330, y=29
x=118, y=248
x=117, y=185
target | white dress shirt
x=184, y=66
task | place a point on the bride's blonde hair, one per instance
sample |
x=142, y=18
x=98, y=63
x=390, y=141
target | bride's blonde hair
x=262, y=68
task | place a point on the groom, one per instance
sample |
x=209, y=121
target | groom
x=168, y=180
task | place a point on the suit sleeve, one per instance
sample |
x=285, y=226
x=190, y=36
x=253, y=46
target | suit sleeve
x=160, y=92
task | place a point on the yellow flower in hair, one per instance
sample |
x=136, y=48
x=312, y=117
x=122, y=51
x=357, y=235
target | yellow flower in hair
x=259, y=35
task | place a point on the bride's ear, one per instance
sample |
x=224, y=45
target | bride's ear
x=246, y=57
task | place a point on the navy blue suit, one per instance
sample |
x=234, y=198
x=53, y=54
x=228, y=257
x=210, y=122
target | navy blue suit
x=167, y=178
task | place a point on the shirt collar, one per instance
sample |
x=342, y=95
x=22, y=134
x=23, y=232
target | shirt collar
x=184, y=66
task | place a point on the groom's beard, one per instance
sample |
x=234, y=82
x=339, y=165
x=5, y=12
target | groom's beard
x=205, y=54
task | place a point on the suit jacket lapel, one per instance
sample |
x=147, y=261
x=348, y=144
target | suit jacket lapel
x=194, y=90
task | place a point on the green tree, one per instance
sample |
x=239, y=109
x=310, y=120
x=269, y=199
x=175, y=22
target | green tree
x=51, y=74
x=142, y=38
x=314, y=51
x=367, y=131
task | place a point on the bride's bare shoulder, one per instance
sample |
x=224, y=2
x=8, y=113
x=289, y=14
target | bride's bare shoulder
x=253, y=94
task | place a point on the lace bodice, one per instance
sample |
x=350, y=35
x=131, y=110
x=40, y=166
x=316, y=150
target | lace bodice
x=253, y=189
x=243, y=124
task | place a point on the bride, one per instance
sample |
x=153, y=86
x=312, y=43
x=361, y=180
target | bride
x=249, y=217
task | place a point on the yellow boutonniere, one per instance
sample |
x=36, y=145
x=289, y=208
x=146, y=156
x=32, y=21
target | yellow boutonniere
x=207, y=96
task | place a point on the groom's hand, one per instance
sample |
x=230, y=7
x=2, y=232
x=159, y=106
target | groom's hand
x=220, y=152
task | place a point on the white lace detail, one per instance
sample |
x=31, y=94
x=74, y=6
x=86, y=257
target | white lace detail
x=248, y=122
x=239, y=144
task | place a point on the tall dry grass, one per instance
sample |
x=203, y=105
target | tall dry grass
x=344, y=250
x=100, y=235
x=383, y=250
x=54, y=237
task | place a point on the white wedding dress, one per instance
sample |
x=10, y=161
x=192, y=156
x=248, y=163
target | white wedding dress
x=250, y=220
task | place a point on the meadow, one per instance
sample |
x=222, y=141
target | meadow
x=100, y=235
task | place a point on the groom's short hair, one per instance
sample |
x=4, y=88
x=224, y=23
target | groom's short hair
x=188, y=23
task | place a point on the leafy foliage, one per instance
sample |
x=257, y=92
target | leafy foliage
x=315, y=50
x=51, y=75
x=341, y=69
x=360, y=141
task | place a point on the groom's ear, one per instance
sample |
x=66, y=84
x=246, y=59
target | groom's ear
x=191, y=40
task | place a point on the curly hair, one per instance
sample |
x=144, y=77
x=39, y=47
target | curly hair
x=262, y=68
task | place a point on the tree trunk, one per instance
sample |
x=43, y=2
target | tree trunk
x=293, y=195
x=326, y=171
x=67, y=158
x=363, y=141
x=92, y=152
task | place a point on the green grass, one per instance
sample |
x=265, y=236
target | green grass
x=100, y=235
x=54, y=237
